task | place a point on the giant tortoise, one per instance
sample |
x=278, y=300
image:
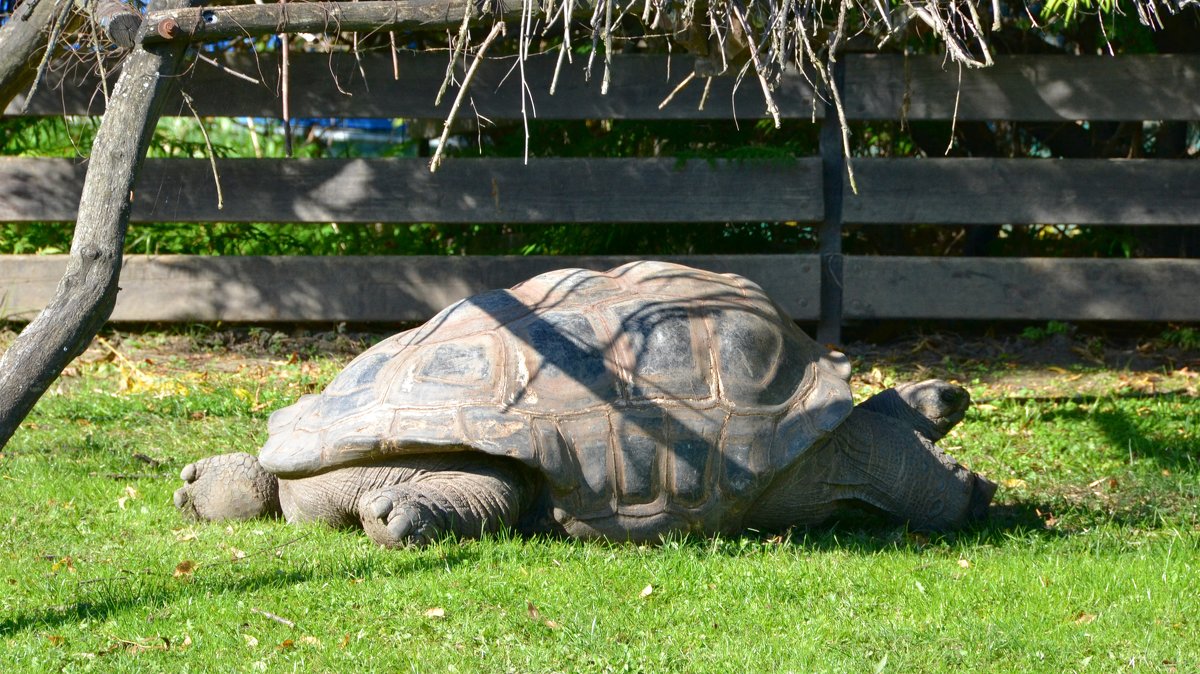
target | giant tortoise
x=648, y=400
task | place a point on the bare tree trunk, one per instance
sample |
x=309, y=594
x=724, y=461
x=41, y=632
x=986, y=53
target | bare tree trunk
x=21, y=39
x=86, y=295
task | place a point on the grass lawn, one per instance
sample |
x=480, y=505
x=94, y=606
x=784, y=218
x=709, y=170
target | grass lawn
x=1089, y=563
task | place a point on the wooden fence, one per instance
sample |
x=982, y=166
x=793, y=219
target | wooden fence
x=825, y=286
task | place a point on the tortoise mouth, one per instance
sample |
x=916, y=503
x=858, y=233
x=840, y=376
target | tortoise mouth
x=948, y=421
x=952, y=419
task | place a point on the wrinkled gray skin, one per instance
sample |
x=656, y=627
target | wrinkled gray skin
x=881, y=457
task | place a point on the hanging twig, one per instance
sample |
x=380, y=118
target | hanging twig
x=497, y=30
x=99, y=58
x=564, y=49
x=707, y=89
x=55, y=30
x=834, y=90
x=772, y=109
x=212, y=156
x=285, y=78
x=678, y=88
x=226, y=69
x=522, y=56
x=395, y=56
x=457, y=45
x=608, y=24
x=954, y=117
x=358, y=57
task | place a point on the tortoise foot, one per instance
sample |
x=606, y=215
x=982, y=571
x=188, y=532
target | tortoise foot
x=228, y=486
x=397, y=517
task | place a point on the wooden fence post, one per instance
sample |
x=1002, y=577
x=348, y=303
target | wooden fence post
x=829, y=236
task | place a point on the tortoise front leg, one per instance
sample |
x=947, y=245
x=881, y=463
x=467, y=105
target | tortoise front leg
x=467, y=503
x=228, y=486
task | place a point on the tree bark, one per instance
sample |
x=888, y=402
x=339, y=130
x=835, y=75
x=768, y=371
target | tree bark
x=119, y=20
x=218, y=23
x=86, y=295
x=20, y=41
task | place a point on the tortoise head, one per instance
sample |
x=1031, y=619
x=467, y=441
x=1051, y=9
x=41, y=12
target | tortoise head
x=932, y=407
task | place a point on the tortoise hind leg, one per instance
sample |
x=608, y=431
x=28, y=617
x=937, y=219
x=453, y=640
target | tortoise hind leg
x=467, y=503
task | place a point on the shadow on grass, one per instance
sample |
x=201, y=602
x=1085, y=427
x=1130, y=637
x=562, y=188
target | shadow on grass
x=1125, y=434
x=110, y=596
x=866, y=535
x=1121, y=431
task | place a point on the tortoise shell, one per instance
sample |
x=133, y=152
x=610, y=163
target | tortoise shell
x=650, y=390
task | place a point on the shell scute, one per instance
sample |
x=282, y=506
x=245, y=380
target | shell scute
x=745, y=452
x=433, y=375
x=591, y=444
x=575, y=287
x=691, y=437
x=660, y=351
x=555, y=456
x=566, y=361
x=501, y=435
x=638, y=436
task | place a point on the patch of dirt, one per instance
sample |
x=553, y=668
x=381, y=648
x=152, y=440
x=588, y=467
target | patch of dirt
x=1062, y=365
x=1068, y=364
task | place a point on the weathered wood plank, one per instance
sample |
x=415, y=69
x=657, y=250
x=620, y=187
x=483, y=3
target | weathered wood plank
x=335, y=87
x=358, y=289
x=463, y=190
x=1031, y=191
x=1022, y=289
x=1030, y=88
x=899, y=191
x=397, y=289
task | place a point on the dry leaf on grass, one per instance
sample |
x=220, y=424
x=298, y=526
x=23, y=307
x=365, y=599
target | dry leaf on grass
x=535, y=614
x=131, y=494
x=185, y=568
x=436, y=612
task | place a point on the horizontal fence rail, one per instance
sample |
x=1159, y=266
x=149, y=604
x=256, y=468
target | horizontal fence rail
x=359, y=289
x=398, y=289
x=466, y=191
x=936, y=191
x=1028, y=88
x=891, y=191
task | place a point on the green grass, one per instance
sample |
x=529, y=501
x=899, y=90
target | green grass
x=1090, y=562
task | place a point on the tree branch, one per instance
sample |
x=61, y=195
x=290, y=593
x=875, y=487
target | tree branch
x=20, y=39
x=218, y=23
x=86, y=295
